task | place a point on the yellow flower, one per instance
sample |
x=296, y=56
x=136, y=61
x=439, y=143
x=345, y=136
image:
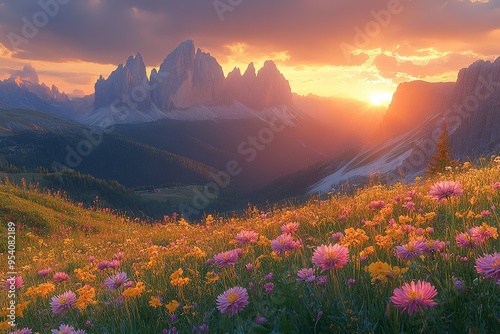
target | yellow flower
x=381, y=271
x=5, y=325
x=180, y=281
x=155, y=302
x=136, y=291
x=3, y=312
x=211, y=277
x=176, y=274
x=20, y=308
x=387, y=211
x=197, y=253
x=263, y=241
x=405, y=219
x=42, y=290
x=83, y=275
x=369, y=250
x=209, y=220
x=430, y=216
x=186, y=309
x=86, y=297
x=172, y=306
x=354, y=237
x=176, y=278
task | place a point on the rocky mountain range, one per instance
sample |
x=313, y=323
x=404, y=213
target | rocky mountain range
x=23, y=90
x=189, y=84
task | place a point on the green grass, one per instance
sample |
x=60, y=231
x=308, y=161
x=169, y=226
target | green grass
x=52, y=232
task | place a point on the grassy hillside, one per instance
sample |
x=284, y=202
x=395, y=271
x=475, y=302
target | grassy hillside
x=115, y=158
x=174, y=275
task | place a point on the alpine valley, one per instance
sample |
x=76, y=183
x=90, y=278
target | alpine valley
x=187, y=135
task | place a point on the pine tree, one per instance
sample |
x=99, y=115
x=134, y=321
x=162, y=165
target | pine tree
x=442, y=158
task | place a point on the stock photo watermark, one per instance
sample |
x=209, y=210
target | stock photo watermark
x=31, y=26
x=364, y=35
x=225, y=6
x=11, y=273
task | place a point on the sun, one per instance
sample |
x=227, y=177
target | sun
x=381, y=98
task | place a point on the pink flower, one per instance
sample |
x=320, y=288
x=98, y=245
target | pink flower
x=306, y=274
x=44, y=272
x=284, y=243
x=412, y=249
x=485, y=213
x=460, y=285
x=118, y=256
x=260, y=320
x=103, y=265
x=337, y=236
x=496, y=185
x=436, y=246
x=115, y=282
x=489, y=266
x=329, y=257
x=60, y=304
x=60, y=277
x=445, y=189
x=410, y=206
x=412, y=193
x=63, y=329
x=228, y=258
x=464, y=240
x=480, y=234
x=269, y=287
x=246, y=237
x=128, y=284
x=376, y=205
x=322, y=280
x=289, y=228
x=412, y=296
x=21, y=331
x=14, y=282
x=232, y=300
x=114, y=264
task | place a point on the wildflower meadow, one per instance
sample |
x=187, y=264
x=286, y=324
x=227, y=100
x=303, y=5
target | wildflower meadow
x=407, y=258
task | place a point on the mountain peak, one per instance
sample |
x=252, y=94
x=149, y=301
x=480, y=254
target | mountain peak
x=234, y=73
x=186, y=47
x=250, y=71
x=131, y=61
x=270, y=64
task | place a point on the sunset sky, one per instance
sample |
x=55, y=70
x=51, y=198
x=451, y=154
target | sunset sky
x=350, y=48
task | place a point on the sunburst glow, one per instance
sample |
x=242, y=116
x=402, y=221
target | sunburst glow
x=381, y=98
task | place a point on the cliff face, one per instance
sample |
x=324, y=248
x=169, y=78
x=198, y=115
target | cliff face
x=475, y=111
x=122, y=81
x=412, y=103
